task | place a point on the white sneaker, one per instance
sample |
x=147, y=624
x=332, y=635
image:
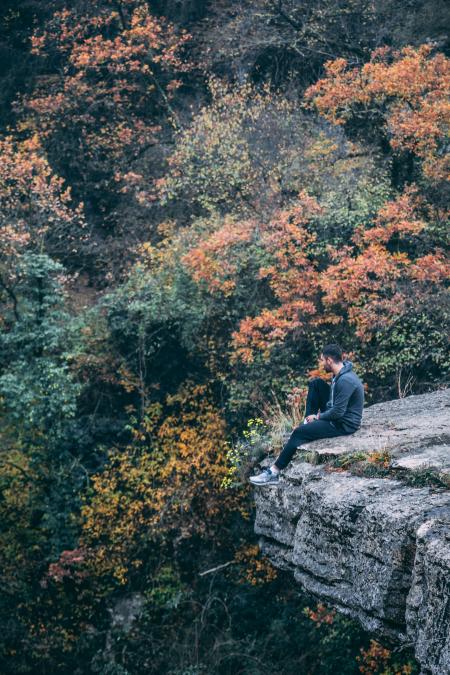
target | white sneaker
x=266, y=477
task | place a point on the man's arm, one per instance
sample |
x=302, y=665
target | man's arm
x=343, y=391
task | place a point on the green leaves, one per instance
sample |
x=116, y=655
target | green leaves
x=38, y=390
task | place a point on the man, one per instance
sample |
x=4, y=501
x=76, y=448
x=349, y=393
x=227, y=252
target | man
x=334, y=410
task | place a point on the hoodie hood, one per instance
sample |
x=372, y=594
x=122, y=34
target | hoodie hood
x=346, y=368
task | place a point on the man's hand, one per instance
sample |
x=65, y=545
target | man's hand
x=310, y=418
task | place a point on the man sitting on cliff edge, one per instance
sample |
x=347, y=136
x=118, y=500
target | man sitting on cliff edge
x=331, y=410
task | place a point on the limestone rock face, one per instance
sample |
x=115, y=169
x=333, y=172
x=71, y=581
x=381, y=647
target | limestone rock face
x=428, y=609
x=377, y=549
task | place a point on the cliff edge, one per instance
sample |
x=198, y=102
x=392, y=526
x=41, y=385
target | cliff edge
x=376, y=547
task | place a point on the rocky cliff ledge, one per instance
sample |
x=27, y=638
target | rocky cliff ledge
x=376, y=548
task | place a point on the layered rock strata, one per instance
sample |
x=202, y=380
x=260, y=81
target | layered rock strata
x=377, y=549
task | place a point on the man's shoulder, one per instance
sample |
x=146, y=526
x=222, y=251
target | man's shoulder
x=351, y=377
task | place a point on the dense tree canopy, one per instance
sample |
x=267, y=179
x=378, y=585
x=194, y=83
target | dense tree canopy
x=195, y=197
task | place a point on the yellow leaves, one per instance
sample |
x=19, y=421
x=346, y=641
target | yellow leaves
x=128, y=380
x=222, y=161
x=378, y=659
x=257, y=569
x=169, y=480
x=320, y=149
x=380, y=457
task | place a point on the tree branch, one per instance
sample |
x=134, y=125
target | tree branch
x=219, y=567
x=13, y=297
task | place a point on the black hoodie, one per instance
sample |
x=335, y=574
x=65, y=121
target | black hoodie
x=345, y=406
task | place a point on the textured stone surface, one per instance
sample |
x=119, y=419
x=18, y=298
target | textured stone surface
x=411, y=423
x=436, y=457
x=428, y=602
x=375, y=548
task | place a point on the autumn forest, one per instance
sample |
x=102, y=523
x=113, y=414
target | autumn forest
x=195, y=196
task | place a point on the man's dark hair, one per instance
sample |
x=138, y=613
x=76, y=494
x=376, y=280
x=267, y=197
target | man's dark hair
x=333, y=350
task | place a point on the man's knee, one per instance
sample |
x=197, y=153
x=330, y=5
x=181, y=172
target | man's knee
x=299, y=432
x=316, y=430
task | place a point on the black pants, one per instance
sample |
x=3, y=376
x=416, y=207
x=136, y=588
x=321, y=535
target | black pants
x=318, y=395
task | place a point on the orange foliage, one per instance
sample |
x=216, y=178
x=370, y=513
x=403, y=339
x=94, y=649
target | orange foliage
x=386, y=271
x=370, y=278
x=375, y=279
x=168, y=480
x=36, y=208
x=396, y=218
x=205, y=262
x=319, y=372
x=411, y=88
x=257, y=568
x=320, y=615
x=380, y=457
x=116, y=70
x=376, y=286
x=281, y=251
x=377, y=659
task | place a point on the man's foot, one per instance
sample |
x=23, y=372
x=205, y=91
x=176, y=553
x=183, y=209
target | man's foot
x=266, y=477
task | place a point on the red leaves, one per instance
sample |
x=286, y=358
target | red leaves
x=67, y=567
x=433, y=268
x=322, y=614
